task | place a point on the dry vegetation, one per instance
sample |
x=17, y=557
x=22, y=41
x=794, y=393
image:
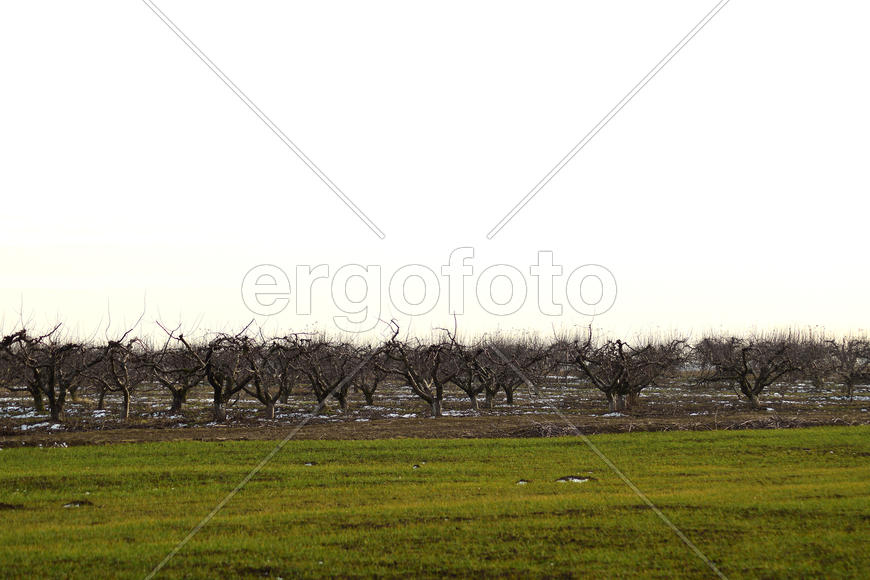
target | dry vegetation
x=246, y=385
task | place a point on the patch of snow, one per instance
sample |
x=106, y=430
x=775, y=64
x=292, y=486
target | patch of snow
x=77, y=503
x=31, y=415
x=34, y=426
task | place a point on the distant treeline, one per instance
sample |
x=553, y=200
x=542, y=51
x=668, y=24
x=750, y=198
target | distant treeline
x=54, y=369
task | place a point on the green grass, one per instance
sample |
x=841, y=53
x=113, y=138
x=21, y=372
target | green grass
x=774, y=504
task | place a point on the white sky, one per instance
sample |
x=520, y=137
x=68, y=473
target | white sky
x=730, y=193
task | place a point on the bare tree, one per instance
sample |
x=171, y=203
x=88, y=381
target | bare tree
x=849, y=362
x=12, y=370
x=423, y=367
x=506, y=363
x=273, y=367
x=816, y=358
x=53, y=366
x=376, y=368
x=466, y=370
x=749, y=364
x=7, y=366
x=329, y=367
x=120, y=370
x=179, y=370
x=461, y=362
x=620, y=370
x=224, y=363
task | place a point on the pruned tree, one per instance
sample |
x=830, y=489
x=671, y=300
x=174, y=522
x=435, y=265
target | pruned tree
x=12, y=370
x=275, y=374
x=621, y=370
x=506, y=363
x=461, y=362
x=749, y=364
x=464, y=362
x=7, y=368
x=223, y=361
x=849, y=362
x=423, y=367
x=375, y=370
x=121, y=369
x=53, y=366
x=329, y=367
x=177, y=369
x=816, y=358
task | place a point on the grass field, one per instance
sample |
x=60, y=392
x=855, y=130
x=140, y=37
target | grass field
x=774, y=504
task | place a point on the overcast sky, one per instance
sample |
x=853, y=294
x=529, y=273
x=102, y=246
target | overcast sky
x=730, y=193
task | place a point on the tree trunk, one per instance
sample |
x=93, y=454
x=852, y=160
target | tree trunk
x=615, y=403
x=56, y=410
x=436, y=407
x=56, y=401
x=489, y=399
x=220, y=411
x=753, y=399
x=474, y=405
x=370, y=397
x=178, y=399
x=101, y=402
x=270, y=410
x=125, y=405
x=509, y=394
x=751, y=389
x=38, y=404
x=342, y=403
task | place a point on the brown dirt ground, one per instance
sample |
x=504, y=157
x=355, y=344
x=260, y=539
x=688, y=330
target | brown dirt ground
x=444, y=427
x=397, y=415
